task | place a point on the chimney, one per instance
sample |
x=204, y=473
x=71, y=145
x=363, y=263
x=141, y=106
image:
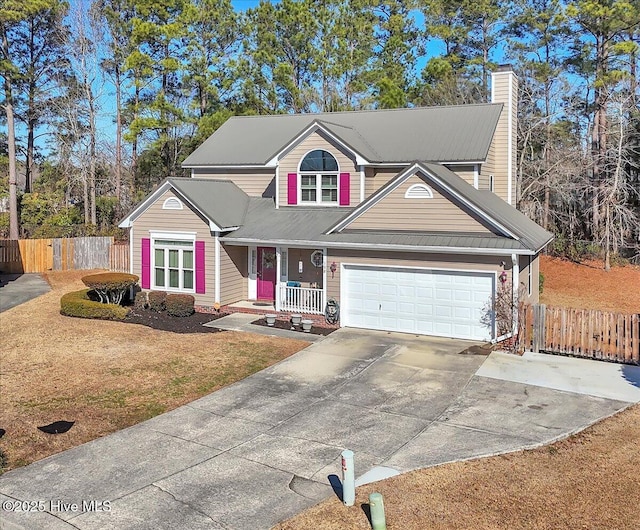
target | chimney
x=504, y=89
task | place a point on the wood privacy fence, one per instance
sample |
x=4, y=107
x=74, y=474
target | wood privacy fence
x=581, y=333
x=40, y=255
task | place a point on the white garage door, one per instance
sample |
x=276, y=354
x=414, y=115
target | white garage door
x=427, y=302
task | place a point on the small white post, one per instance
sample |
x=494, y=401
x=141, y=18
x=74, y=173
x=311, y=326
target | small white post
x=348, y=479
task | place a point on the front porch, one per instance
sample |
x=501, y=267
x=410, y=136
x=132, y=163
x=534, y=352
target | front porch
x=290, y=297
x=286, y=279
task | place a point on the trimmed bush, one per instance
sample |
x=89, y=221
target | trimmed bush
x=110, y=286
x=157, y=300
x=180, y=305
x=141, y=301
x=78, y=304
x=540, y=283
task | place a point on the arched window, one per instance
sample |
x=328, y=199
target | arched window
x=319, y=178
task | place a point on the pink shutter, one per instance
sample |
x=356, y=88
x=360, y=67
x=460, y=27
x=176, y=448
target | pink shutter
x=146, y=263
x=345, y=189
x=200, y=270
x=292, y=188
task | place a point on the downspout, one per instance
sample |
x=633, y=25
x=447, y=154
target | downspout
x=515, y=284
x=216, y=293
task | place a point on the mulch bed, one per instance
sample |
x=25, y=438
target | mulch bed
x=165, y=322
x=285, y=324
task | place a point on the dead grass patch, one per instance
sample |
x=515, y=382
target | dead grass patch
x=589, y=481
x=588, y=286
x=107, y=375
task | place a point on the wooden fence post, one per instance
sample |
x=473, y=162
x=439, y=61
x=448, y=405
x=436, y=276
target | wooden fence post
x=539, y=326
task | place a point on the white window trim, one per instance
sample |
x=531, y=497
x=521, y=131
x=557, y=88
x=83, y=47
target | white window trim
x=252, y=263
x=530, y=277
x=318, y=175
x=178, y=236
x=419, y=191
x=172, y=203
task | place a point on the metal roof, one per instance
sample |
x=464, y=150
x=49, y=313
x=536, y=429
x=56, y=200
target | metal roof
x=460, y=133
x=220, y=200
x=497, y=213
x=306, y=226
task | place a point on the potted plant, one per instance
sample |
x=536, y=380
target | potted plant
x=295, y=320
x=306, y=325
x=271, y=319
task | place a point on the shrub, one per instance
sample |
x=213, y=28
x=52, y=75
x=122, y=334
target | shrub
x=540, y=283
x=157, y=300
x=141, y=301
x=110, y=286
x=79, y=304
x=180, y=305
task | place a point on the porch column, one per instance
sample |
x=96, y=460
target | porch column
x=277, y=285
x=324, y=279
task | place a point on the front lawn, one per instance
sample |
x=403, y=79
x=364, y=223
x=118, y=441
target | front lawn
x=105, y=376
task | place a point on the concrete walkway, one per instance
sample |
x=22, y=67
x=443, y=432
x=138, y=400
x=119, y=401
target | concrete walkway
x=243, y=322
x=267, y=447
x=15, y=289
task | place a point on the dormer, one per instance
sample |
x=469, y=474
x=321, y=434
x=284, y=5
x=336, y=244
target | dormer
x=319, y=170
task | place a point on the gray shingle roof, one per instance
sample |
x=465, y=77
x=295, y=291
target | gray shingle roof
x=445, y=134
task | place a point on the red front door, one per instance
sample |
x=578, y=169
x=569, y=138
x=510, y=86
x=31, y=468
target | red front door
x=266, y=273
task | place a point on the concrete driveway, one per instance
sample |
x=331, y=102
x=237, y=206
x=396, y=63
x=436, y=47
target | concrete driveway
x=263, y=449
x=15, y=289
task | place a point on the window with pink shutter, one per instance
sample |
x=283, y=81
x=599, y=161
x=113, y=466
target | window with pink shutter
x=200, y=268
x=345, y=189
x=292, y=188
x=146, y=263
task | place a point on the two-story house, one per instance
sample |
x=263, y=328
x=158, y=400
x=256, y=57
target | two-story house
x=405, y=217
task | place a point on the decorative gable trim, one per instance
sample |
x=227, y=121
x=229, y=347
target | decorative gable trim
x=316, y=126
x=419, y=191
x=400, y=179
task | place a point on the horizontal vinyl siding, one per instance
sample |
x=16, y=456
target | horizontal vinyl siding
x=375, y=178
x=233, y=274
x=465, y=172
x=394, y=212
x=346, y=163
x=406, y=259
x=254, y=182
x=501, y=138
x=185, y=220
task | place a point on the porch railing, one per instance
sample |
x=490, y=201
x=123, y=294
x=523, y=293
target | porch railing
x=300, y=299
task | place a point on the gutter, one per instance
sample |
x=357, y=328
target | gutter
x=376, y=246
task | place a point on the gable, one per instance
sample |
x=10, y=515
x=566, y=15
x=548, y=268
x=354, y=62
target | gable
x=407, y=207
x=290, y=162
x=158, y=217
